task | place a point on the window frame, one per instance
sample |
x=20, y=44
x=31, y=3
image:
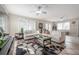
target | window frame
x=64, y=26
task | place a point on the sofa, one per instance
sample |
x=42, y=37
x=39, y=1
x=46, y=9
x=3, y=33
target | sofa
x=58, y=36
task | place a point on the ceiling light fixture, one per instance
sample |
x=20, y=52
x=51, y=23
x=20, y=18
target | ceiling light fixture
x=40, y=10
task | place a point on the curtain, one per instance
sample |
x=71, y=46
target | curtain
x=27, y=24
x=48, y=26
x=63, y=26
x=2, y=22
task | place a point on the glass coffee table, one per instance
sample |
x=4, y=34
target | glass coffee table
x=42, y=39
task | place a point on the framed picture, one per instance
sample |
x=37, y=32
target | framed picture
x=40, y=25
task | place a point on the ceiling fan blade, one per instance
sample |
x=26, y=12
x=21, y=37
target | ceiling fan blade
x=44, y=12
x=39, y=7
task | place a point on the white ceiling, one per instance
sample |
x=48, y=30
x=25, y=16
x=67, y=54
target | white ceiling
x=54, y=11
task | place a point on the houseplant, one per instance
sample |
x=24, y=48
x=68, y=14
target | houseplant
x=2, y=41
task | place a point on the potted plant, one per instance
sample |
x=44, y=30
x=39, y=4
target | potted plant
x=2, y=40
x=1, y=37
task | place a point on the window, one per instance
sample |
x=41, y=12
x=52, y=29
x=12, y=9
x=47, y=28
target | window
x=63, y=26
x=2, y=22
x=27, y=24
x=48, y=26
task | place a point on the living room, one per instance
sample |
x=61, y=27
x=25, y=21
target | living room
x=39, y=29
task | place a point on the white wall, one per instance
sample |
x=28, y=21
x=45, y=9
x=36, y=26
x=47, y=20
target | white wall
x=13, y=21
x=13, y=24
x=74, y=28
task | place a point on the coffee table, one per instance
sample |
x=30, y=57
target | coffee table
x=42, y=38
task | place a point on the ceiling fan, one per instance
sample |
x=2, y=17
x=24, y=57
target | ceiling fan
x=40, y=10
